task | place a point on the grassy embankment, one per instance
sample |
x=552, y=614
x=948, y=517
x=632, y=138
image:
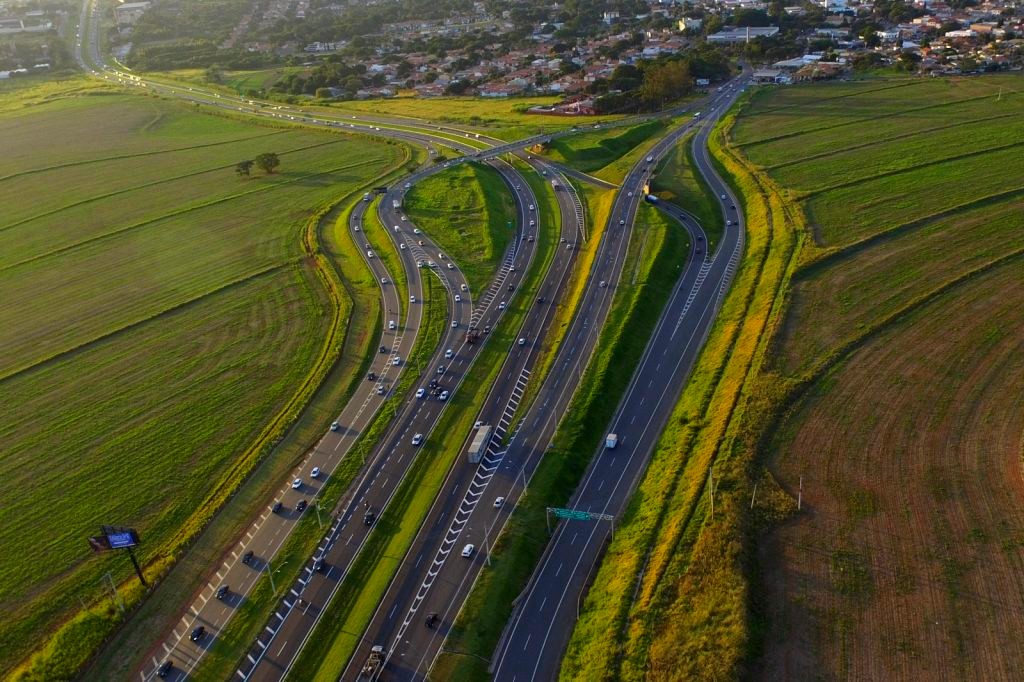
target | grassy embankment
x=131, y=263
x=900, y=343
x=828, y=331
x=653, y=263
x=677, y=182
x=376, y=235
x=591, y=151
x=466, y=210
x=327, y=652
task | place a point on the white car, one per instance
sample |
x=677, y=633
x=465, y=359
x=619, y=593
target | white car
x=448, y=354
x=533, y=223
x=531, y=207
x=622, y=222
x=412, y=298
x=396, y=361
x=421, y=392
x=397, y=228
x=315, y=473
x=402, y=247
x=455, y=323
x=522, y=342
x=443, y=396
x=297, y=483
x=468, y=550
x=723, y=196
x=451, y=267
x=417, y=439
x=380, y=389
x=416, y=230
x=356, y=228
x=383, y=280
x=403, y=220
x=464, y=287
x=498, y=501
x=501, y=306
x=335, y=426
x=458, y=298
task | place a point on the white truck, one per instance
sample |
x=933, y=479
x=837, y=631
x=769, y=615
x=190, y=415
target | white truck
x=478, y=445
x=611, y=441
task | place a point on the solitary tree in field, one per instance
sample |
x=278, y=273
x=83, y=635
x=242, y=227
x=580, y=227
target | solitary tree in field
x=244, y=168
x=268, y=162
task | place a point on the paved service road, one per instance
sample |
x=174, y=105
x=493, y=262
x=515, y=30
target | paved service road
x=540, y=628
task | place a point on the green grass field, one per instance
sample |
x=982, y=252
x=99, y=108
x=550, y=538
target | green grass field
x=144, y=284
x=466, y=209
x=862, y=357
x=592, y=151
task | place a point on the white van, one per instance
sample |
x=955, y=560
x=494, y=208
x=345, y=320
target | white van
x=392, y=326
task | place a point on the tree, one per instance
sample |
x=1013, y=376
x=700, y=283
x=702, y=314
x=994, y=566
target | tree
x=665, y=82
x=268, y=162
x=244, y=168
x=324, y=93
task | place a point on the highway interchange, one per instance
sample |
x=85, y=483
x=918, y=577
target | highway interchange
x=432, y=578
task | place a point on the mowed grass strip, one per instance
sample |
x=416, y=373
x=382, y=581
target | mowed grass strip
x=653, y=264
x=171, y=328
x=676, y=181
x=467, y=210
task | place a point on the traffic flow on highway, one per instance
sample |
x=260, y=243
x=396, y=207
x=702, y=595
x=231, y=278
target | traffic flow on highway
x=454, y=543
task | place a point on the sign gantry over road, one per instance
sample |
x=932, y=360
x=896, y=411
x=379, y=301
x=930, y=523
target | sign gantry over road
x=575, y=515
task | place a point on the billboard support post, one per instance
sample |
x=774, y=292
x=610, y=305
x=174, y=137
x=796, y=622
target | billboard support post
x=138, y=570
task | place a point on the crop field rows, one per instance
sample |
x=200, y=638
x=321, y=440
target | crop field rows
x=145, y=286
x=904, y=335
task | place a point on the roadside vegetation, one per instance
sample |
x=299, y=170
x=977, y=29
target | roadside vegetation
x=656, y=250
x=467, y=210
x=122, y=334
x=864, y=354
x=676, y=181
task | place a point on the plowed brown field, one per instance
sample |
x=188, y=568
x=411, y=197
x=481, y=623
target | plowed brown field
x=908, y=561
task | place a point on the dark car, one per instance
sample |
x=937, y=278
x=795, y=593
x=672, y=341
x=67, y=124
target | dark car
x=371, y=376
x=368, y=518
x=301, y=506
x=198, y=634
x=432, y=619
x=277, y=507
x=223, y=592
x=247, y=557
x=165, y=669
x=382, y=349
x=320, y=566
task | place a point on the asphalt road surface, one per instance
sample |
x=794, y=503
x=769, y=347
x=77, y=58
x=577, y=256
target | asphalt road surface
x=539, y=630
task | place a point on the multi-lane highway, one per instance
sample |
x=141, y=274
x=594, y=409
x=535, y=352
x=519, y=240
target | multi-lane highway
x=433, y=581
x=535, y=638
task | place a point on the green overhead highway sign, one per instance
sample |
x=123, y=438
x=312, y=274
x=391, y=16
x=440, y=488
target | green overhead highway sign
x=570, y=514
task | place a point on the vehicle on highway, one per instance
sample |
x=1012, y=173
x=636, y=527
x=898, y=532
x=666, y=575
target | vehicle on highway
x=370, y=376
x=402, y=247
x=380, y=389
x=247, y=557
x=468, y=550
x=611, y=441
x=301, y=506
x=165, y=669
x=603, y=284
x=315, y=473
x=498, y=501
x=458, y=299
x=369, y=517
x=319, y=566
x=416, y=230
x=391, y=326
x=531, y=207
x=421, y=392
x=356, y=228
x=397, y=228
x=396, y=361
x=431, y=619
x=522, y=342
x=369, y=254
x=296, y=484
x=412, y=298
x=440, y=369
x=529, y=238
x=417, y=439
x=198, y=633
x=448, y=354
x=455, y=324
x=278, y=507
x=464, y=287
x=622, y=222
x=533, y=223
x=451, y=267
x=443, y=396
x=335, y=426
x=383, y=280
x=501, y=305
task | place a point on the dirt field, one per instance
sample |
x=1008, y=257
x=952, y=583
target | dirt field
x=909, y=562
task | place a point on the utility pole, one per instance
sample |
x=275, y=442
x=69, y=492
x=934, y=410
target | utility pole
x=113, y=591
x=711, y=482
x=800, y=495
x=753, y=495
